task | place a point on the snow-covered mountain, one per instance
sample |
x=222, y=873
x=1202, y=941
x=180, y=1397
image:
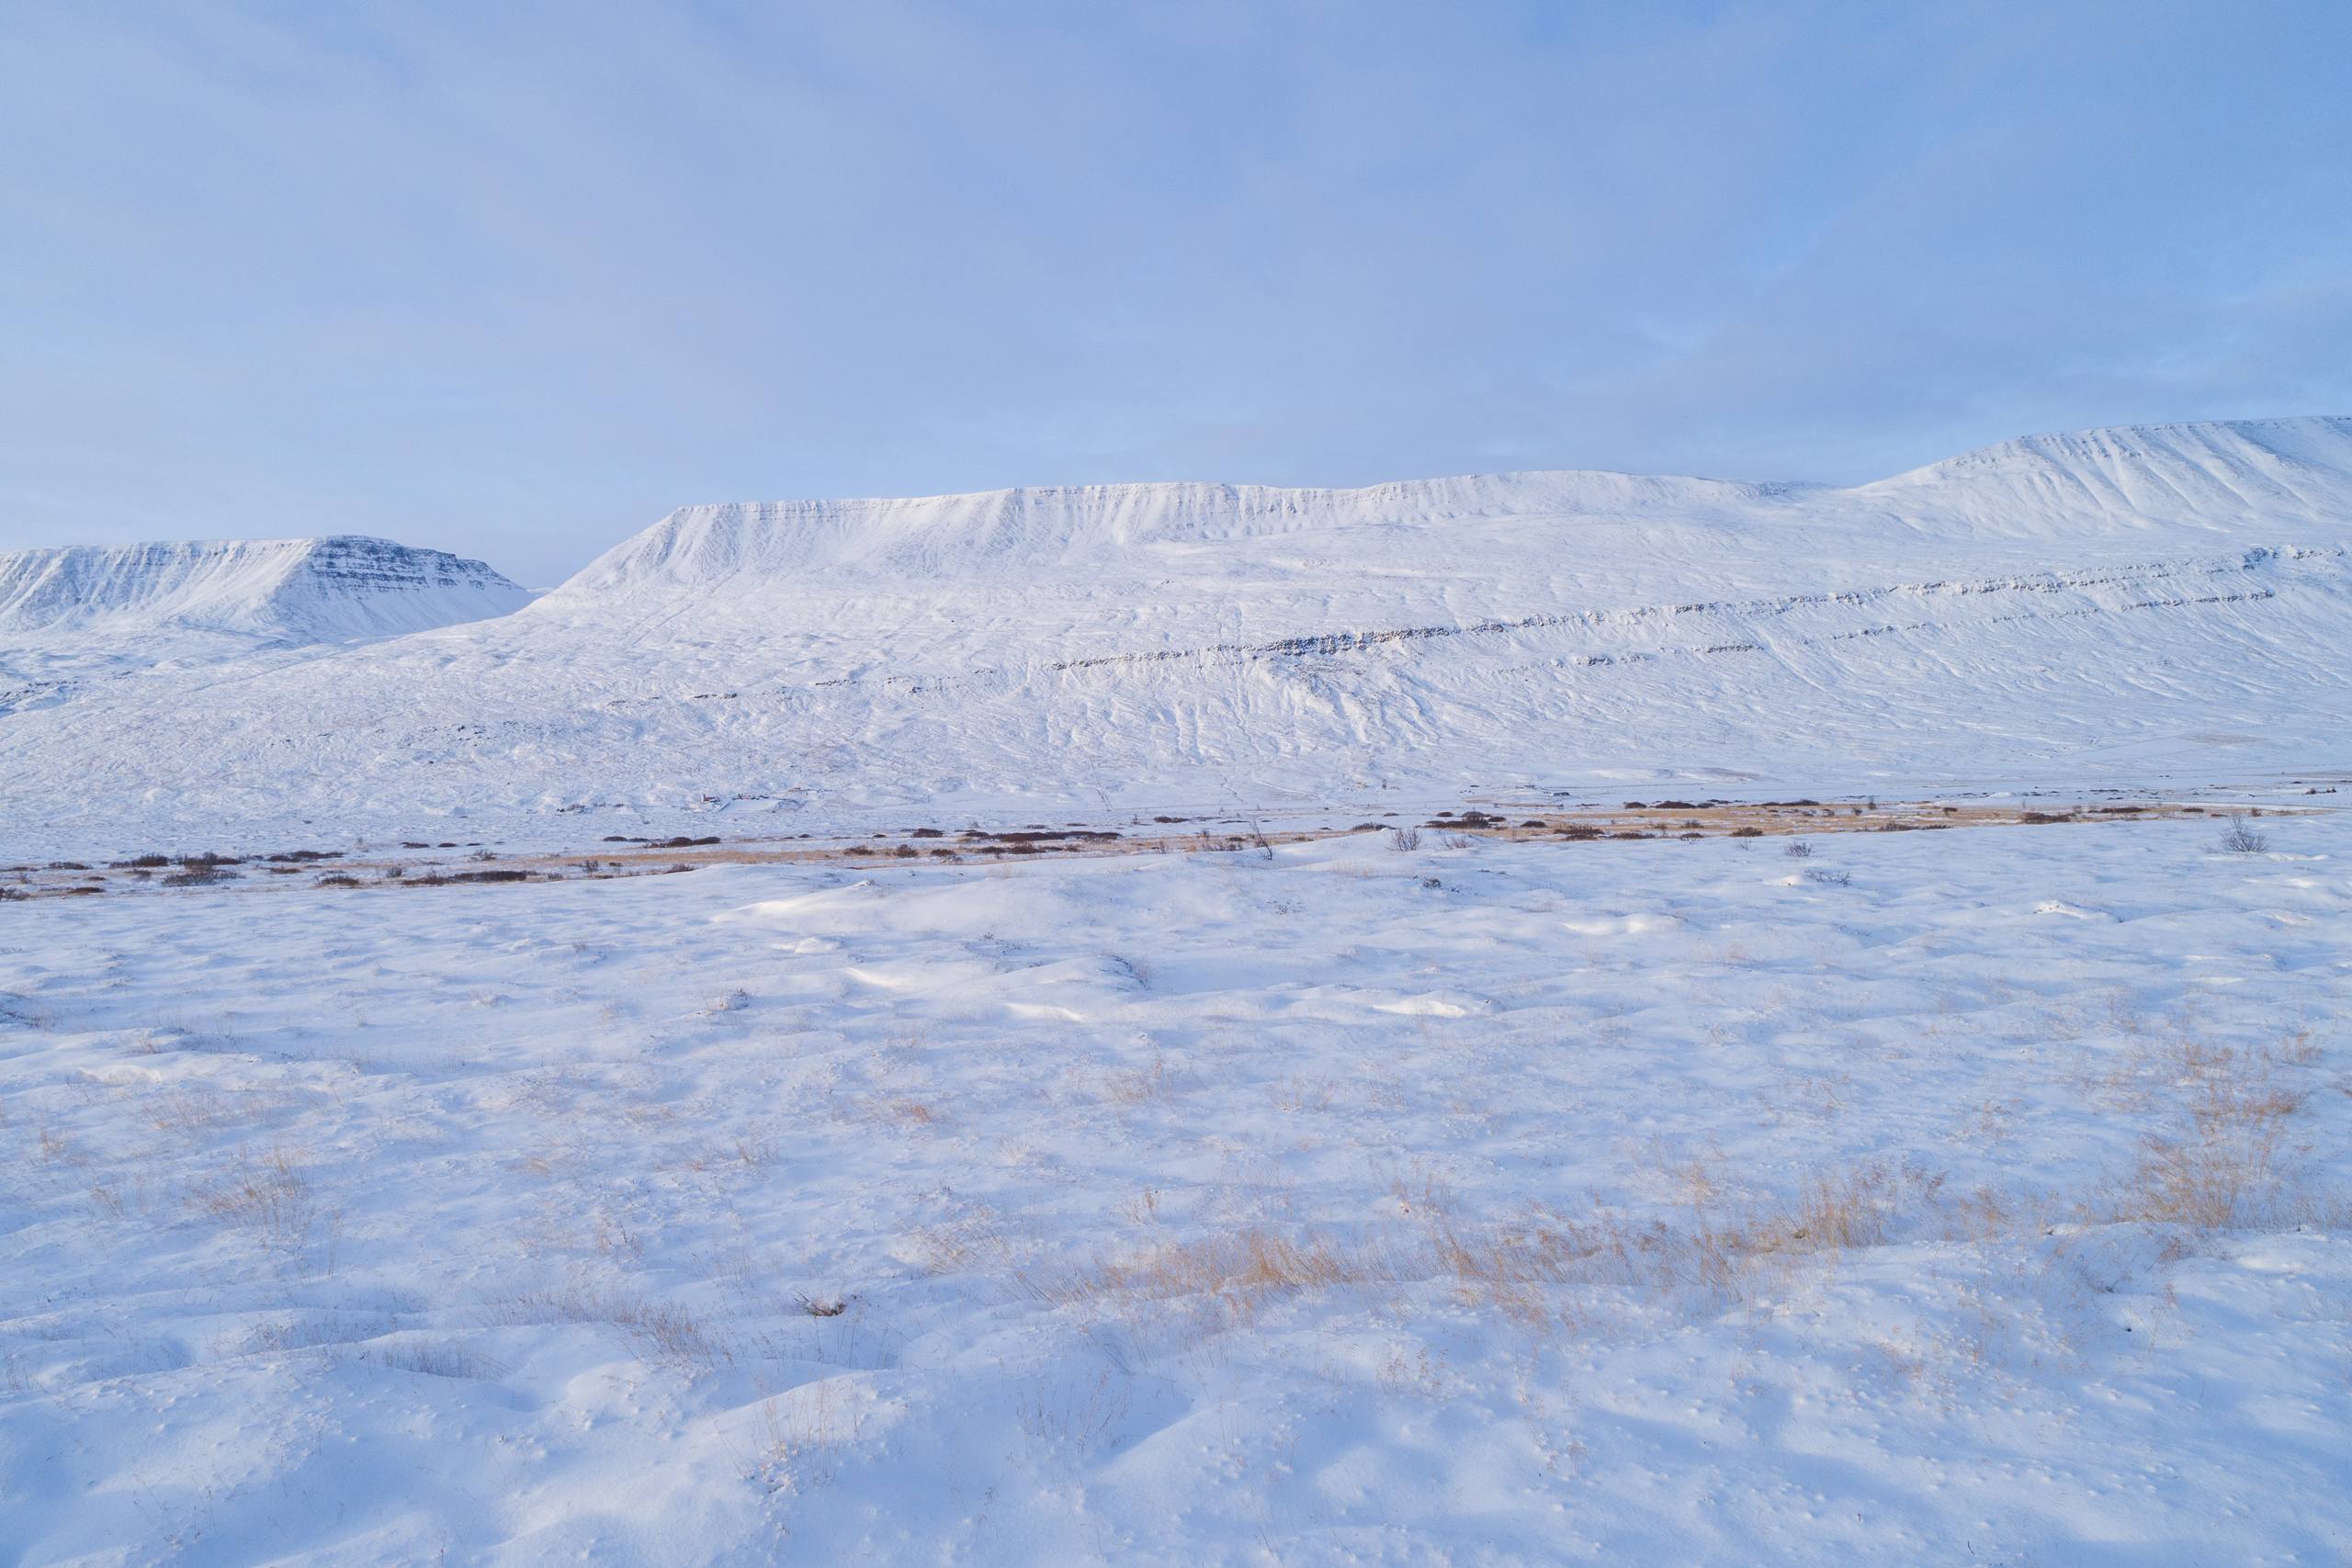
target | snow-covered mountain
x=166, y=598
x=2054, y=606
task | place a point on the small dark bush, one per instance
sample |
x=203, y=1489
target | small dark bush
x=681, y=843
x=1747, y=832
x=2239, y=839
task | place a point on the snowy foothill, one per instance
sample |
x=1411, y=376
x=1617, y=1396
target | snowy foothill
x=1973, y=1196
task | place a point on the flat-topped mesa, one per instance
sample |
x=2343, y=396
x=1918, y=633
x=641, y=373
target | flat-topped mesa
x=285, y=591
x=2201, y=476
x=1033, y=526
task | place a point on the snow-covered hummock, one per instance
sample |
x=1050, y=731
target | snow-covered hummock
x=270, y=593
x=2173, y=598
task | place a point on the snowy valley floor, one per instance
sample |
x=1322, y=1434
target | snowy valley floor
x=1977, y=1196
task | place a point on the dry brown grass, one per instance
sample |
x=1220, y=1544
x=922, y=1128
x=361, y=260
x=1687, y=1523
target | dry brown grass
x=1518, y=1267
x=1137, y=1087
x=665, y=1332
x=2228, y=1159
x=805, y=1436
x=270, y=1197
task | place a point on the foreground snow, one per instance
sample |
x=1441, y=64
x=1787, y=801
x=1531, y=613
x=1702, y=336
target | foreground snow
x=1957, y=1197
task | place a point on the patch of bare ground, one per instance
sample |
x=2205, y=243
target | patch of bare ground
x=1672, y=819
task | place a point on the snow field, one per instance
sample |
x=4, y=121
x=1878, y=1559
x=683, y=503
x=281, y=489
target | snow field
x=1511, y=1203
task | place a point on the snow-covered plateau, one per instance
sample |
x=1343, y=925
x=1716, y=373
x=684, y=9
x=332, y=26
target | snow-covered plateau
x=2130, y=604
x=1542, y=1018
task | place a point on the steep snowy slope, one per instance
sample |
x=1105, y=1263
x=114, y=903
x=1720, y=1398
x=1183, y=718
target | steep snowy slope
x=130, y=599
x=2211, y=476
x=2114, y=601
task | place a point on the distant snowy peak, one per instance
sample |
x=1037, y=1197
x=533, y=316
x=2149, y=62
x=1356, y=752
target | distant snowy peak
x=287, y=590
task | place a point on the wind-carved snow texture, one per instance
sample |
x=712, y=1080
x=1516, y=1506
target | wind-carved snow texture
x=2133, y=602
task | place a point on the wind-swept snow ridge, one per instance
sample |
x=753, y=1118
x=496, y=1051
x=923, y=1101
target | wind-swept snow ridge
x=278, y=591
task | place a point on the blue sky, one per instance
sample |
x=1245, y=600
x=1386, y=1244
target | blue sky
x=513, y=280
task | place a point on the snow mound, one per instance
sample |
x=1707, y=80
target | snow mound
x=277, y=591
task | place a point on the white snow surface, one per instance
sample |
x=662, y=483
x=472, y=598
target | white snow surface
x=1981, y=1202
x=2165, y=601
